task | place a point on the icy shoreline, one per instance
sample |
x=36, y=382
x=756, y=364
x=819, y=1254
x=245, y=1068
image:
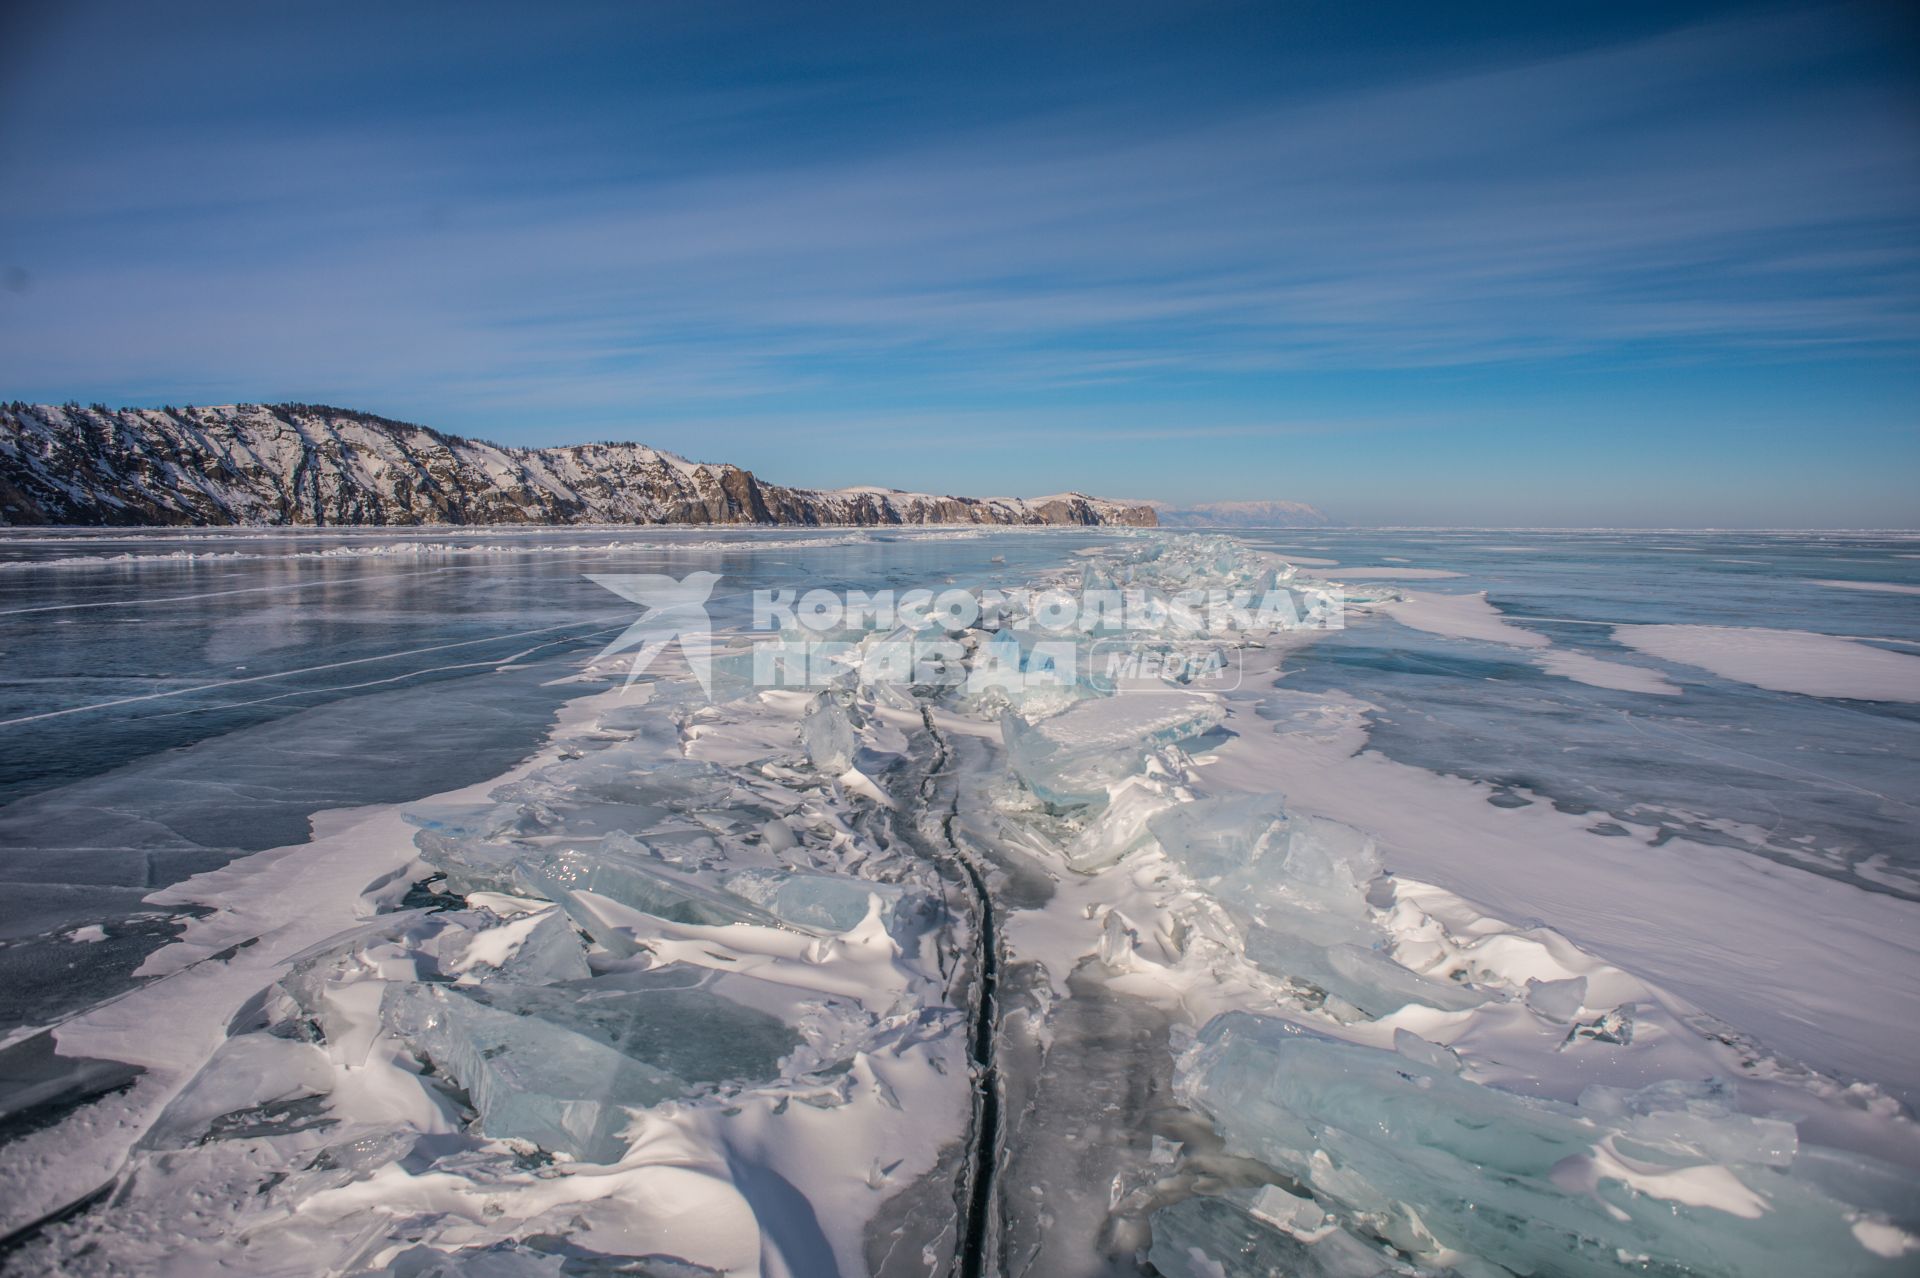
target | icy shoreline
x=1179, y=953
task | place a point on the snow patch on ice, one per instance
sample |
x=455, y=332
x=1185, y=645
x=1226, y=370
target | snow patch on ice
x=1802, y=661
x=1473, y=617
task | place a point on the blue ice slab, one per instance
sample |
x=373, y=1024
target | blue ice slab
x=634, y=879
x=1535, y=1186
x=528, y=1078
x=1070, y=758
x=1211, y=837
x=1222, y=1238
x=827, y=732
x=829, y=902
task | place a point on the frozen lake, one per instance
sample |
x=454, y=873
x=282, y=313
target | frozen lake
x=1603, y=840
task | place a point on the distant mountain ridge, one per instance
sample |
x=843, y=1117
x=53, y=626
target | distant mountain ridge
x=309, y=464
x=1243, y=514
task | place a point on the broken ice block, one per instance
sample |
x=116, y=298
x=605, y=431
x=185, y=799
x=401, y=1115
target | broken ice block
x=1532, y=1185
x=538, y=948
x=635, y=880
x=618, y=789
x=670, y=1018
x=659, y=784
x=1071, y=758
x=1377, y=985
x=470, y=864
x=827, y=732
x=827, y=902
x=1211, y=837
x=252, y=1081
x=1222, y=1238
x=328, y=982
x=1337, y=957
x=1122, y=825
x=1557, y=1000
x=1328, y=865
x=528, y=1078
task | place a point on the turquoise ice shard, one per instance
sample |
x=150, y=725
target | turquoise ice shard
x=827, y=902
x=1377, y=985
x=470, y=864
x=561, y=1065
x=529, y=1079
x=633, y=879
x=1211, y=837
x=1557, y=1000
x=1070, y=758
x=671, y=1018
x=1436, y=1161
x=1232, y=1237
x=1328, y=866
x=1122, y=825
x=826, y=730
x=538, y=949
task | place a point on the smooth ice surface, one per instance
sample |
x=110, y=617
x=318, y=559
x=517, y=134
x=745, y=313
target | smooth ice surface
x=1472, y=617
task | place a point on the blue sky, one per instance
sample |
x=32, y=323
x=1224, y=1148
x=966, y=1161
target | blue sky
x=1503, y=264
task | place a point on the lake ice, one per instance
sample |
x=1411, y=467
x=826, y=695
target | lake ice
x=359, y=922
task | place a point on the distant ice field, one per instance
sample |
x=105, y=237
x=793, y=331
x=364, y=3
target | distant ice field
x=1793, y=735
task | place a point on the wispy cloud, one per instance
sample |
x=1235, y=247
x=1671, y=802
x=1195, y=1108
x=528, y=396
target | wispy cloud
x=1731, y=192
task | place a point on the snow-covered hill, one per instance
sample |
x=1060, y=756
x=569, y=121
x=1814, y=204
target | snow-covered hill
x=310, y=464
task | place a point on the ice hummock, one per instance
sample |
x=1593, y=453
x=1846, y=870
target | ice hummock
x=529, y=1079
x=1072, y=757
x=1298, y=889
x=829, y=902
x=1216, y=836
x=532, y=947
x=1240, y=1234
x=559, y=1065
x=1673, y=1179
x=827, y=732
x=1197, y=891
x=633, y=878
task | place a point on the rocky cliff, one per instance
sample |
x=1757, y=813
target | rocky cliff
x=309, y=464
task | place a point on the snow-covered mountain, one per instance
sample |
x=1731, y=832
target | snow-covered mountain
x=1243, y=514
x=310, y=464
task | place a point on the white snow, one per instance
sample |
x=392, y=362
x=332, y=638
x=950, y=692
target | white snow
x=1784, y=660
x=1881, y=587
x=1397, y=574
x=1472, y=617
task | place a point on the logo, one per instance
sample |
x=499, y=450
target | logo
x=1112, y=640
x=676, y=611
